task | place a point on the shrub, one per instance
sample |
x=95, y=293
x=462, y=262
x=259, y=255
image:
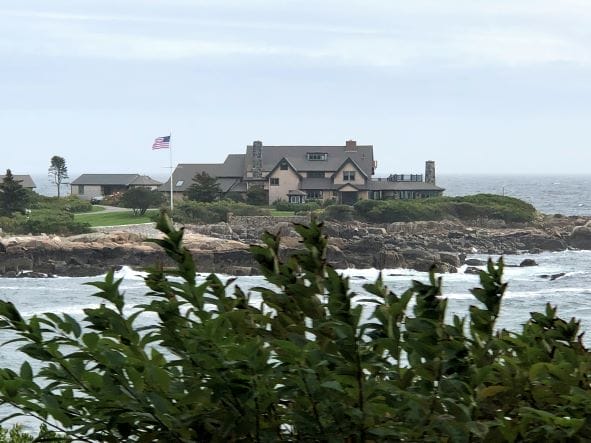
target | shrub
x=282, y=205
x=113, y=199
x=304, y=366
x=8, y=224
x=71, y=203
x=44, y=221
x=199, y=212
x=339, y=212
x=469, y=209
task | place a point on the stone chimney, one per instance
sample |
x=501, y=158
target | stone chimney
x=257, y=159
x=350, y=146
x=430, y=172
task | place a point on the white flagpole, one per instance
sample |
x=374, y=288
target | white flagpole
x=171, y=173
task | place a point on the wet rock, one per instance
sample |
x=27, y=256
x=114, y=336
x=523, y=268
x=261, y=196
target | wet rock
x=580, y=237
x=553, y=277
x=472, y=270
x=474, y=262
x=388, y=260
x=450, y=258
x=31, y=274
x=528, y=262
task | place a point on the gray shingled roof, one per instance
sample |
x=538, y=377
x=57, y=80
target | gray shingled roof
x=227, y=173
x=317, y=183
x=105, y=179
x=25, y=180
x=145, y=180
x=296, y=155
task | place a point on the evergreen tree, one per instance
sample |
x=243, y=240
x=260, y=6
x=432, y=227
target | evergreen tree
x=257, y=195
x=205, y=188
x=58, y=172
x=13, y=197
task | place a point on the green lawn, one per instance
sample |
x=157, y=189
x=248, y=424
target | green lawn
x=97, y=208
x=108, y=218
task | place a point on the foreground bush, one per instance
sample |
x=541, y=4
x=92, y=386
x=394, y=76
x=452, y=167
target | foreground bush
x=16, y=435
x=469, y=208
x=199, y=212
x=307, y=365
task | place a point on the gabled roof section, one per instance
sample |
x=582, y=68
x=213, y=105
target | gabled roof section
x=25, y=180
x=105, y=179
x=278, y=165
x=144, y=180
x=349, y=185
x=232, y=169
x=349, y=159
x=297, y=155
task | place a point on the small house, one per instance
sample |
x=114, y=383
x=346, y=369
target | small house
x=89, y=186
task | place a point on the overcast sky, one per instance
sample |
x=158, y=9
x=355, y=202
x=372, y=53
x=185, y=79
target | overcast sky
x=483, y=86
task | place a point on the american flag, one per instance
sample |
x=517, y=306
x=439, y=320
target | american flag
x=162, y=143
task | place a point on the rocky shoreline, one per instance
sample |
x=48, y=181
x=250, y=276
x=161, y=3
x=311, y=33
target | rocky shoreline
x=223, y=248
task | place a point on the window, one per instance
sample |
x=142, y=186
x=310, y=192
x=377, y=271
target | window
x=295, y=199
x=274, y=181
x=316, y=156
x=283, y=165
x=314, y=194
x=179, y=183
x=315, y=174
x=349, y=176
x=81, y=189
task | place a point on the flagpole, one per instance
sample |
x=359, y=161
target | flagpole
x=171, y=173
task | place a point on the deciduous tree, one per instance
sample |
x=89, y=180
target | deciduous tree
x=140, y=199
x=58, y=172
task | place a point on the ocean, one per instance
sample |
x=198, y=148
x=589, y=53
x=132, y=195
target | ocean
x=527, y=292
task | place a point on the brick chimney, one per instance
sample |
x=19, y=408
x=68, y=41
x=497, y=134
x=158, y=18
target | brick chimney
x=257, y=159
x=350, y=146
x=430, y=172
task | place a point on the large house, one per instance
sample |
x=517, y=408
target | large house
x=89, y=186
x=299, y=173
x=25, y=181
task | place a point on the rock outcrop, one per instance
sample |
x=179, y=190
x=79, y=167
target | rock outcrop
x=223, y=248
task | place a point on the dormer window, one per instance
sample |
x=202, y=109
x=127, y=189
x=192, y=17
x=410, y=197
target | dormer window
x=317, y=156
